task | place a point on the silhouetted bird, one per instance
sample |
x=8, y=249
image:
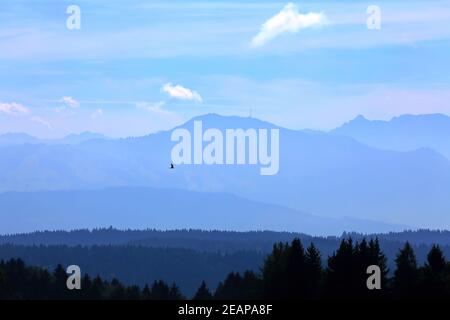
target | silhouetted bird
x=172, y=166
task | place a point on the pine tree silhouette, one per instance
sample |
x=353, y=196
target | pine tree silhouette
x=406, y=275
x=86, y=285
x=203, y=293
x=343, y=274
x=276, y=281
x=434, y=275
x=97, y=289
x=60, y=276
x=295, y=272
x=160, y=291
x=133, y=293
x=146, y=293
x=313, y=266
x=235, y=286
x=378, y=258
x=117, y=291
x=174, y=293
x=288, y=272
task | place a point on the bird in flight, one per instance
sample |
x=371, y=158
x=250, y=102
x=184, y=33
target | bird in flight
x=172, y=166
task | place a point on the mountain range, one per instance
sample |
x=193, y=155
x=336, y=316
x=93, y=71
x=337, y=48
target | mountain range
x=330, y=175
x=23, y=138
x=162, y=209
x=403, y=133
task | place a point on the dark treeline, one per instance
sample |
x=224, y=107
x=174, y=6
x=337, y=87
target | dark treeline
x=21, y=282
x=137, y=265
x=293, y=272
x=213, y=240
x=290, y=271
x=421, y=236
x=228, y=241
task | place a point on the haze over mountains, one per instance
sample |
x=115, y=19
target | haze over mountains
x=162, y=209
x=23, y=138
x=332, y=175
x=404, y=133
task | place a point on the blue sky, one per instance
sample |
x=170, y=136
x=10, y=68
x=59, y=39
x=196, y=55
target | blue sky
x=136, y=67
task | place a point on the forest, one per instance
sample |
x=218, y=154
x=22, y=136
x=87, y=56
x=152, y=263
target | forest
x=135, y=256
x=289, y=271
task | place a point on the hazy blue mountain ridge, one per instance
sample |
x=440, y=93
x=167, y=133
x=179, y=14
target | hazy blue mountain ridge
x=403, y=133
x=323, y=174
x=134, y=208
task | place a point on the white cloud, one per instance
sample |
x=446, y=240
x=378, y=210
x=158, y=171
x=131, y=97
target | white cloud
x=180, y=92
x=17, y=109
x=41, y=121
x=14, y=109
x=288, y=20
x=97, y=114
x=155, y=107
x=70, y=102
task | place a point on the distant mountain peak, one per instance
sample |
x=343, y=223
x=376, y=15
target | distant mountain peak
x=360, y=117
x=12, y=138
x=431, y=117
x=402, y=133
x=405, y=117
x=214, y=120
x=358, y=121
x=17, y=138
x=16, y=134
x=85, y=134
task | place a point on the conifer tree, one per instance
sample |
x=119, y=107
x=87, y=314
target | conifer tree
x=146, y=293
x=60, y=290
x=2, y=281
x=378, y=258
x=98, y=288
x=203, y=293
x=341, y=272
x=435, y=260
x=174, y=293
x=117, y=290
x=313, y=266
x=133, y=293
x=86, y=285
x=274, y=274
x=229, y=288
x=295, y=272
x=406, y=275
x=434, y=274
x=160, y=291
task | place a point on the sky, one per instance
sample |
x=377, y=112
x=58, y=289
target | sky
x=136, y=67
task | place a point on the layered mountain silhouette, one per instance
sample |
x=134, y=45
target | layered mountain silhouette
x=23, y=138
x=325, y=174
x=403, y=133
x=162, y=209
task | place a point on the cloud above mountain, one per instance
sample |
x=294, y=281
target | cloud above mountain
x=19, y=110
x=42, y=121
x=288, y=20
x=13, y=109
x=70, y=102
x=153, y=107
x=182, y=93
